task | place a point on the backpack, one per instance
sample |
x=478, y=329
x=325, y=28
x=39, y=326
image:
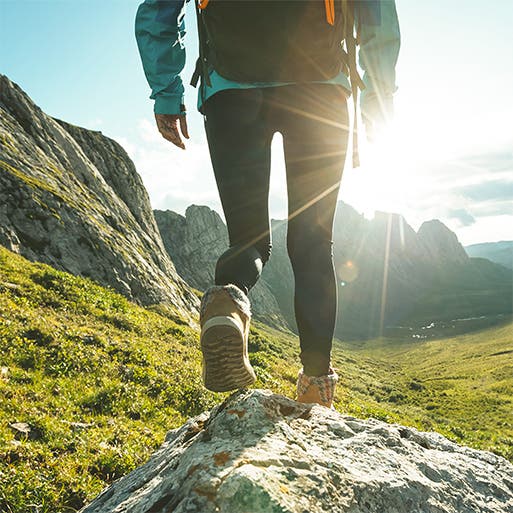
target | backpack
x=277, y=41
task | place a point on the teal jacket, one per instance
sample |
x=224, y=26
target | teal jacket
x=160, y=31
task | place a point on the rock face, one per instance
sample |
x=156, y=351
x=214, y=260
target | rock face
x=195, y=242
x=71, y=197
x=259, y=452
x=440, y=243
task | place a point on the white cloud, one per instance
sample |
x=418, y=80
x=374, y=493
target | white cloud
x=171, y=174
x=456, y=189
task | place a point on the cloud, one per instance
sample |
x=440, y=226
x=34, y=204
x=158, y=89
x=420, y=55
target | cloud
x=469, y=193
x=174, y=178
x=495, y=190
x=493, y=161
x=461, y=215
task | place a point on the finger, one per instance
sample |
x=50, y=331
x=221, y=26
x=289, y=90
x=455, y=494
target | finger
x=172, y=136
x=183, y=127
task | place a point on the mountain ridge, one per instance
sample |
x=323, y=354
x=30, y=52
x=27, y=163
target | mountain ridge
x=72, y=198
x=422, y=269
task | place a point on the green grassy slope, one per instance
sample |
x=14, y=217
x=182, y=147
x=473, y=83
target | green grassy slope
x=100, y=381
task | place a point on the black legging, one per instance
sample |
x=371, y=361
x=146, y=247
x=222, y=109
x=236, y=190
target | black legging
x=313, y=121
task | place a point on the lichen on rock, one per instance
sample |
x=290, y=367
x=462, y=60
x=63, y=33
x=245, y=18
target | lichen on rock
x=260, y=452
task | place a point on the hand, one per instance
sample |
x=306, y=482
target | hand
x=377, y=112
x=168, y=128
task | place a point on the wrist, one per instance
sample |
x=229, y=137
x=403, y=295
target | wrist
x=169, y=104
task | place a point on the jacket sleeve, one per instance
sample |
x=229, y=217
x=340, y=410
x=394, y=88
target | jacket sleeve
x=159, y=31
x=380, y=40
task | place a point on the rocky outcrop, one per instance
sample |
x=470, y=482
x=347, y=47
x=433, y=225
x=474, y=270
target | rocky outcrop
x=440, y=243
x=260, y=452
x=195, y=242
x=71, y=197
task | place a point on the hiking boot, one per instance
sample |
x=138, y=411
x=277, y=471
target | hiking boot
x=317, y=389
x=225, y=316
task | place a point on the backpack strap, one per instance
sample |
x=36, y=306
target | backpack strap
x=201, y=69
x=348, y=10
x=330, y=11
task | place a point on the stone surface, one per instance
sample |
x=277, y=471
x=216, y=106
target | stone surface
x=440, y=243
x=259, y=452
x=72, y=198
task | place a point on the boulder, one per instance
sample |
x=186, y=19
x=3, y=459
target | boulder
x=259, y=452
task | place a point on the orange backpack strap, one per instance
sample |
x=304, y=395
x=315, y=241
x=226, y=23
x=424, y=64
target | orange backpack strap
x=330, y=11
x=203, y=3
x=354, y=77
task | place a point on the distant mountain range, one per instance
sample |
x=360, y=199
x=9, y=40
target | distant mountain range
x=72, y=198
x=388, y=274
x=498, y=252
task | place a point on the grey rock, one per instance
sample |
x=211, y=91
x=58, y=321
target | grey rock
x=440, y=243
x=72, y=198
x=20, y=427
x=23, y=431
x=260, y=452
x=388, y=276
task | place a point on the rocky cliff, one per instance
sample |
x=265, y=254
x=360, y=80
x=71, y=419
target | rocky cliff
x=71, y=197
x=440, y=243
x=260, y=452
x=195, y=242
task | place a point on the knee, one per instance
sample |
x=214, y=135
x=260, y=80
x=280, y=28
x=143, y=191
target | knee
x=308, y=248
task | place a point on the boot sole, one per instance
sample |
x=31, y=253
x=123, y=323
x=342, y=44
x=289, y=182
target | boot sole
x=224, y=366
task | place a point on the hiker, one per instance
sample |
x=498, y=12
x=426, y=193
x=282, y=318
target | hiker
x=266, y=67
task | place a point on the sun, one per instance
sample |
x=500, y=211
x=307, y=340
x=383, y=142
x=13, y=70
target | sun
x=388, y=176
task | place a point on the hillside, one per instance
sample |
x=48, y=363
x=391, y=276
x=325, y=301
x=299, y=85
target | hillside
x=498, y=252
x=72, y=198
x=92, y=383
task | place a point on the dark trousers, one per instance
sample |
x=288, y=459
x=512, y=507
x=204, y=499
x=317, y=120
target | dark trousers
x=313, y=121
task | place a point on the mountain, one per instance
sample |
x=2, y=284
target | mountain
x=72, y=198
x=440, y=243
x=388, y=274
x=498, y=252
x=195, y=242
x=261, y=452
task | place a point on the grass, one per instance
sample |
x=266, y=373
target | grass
x=100, y=381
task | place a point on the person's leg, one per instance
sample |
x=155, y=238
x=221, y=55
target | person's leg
x=239, y=139
x=315, y=133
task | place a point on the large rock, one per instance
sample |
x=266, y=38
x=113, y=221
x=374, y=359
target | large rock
x=259, y=452
x=440, y=243
x=71, y=198
x=195, y=242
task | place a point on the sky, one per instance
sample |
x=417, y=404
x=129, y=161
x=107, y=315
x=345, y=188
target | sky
x=448, y=153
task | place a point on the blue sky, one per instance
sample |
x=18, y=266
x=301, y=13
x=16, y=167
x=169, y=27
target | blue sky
x=450, y=155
